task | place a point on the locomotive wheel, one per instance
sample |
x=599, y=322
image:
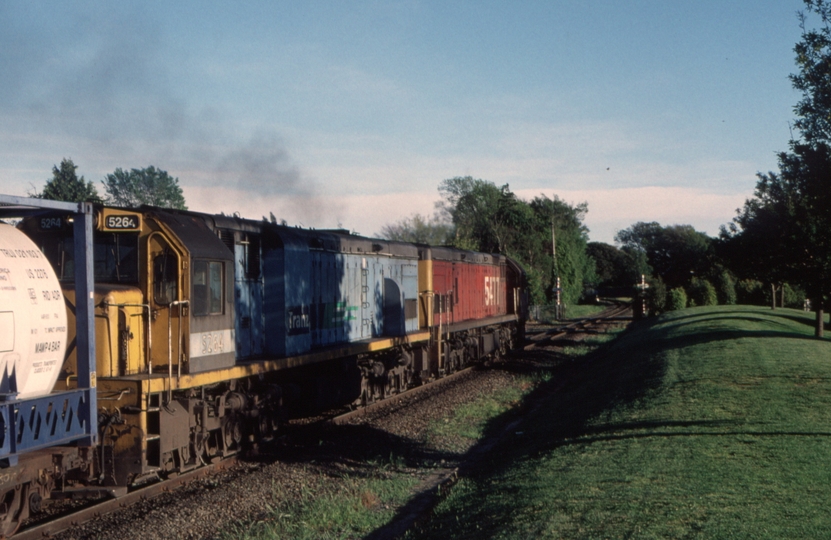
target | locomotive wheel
x=226, y=433
x=233, y=432
x=35, y=502
x=268, y=425
x=14, y=508
x=198, y=444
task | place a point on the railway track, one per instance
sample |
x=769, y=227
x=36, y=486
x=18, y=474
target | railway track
x=46, y=529
x=615, y=314
x=95, y=510
x=392, y=401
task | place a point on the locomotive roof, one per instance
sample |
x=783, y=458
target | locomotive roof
x=444, y=253
x=331, y=240
x=200, y=240
x=342, y=241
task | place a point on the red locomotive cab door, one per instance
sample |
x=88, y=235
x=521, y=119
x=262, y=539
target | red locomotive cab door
x=167, y=308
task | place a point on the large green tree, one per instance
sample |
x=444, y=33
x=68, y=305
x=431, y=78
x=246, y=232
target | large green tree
x=785, y=227
x=482, y=213
x=614, y=267
x=494, y=219
x=675, y=253
x=66, y=186
x=150, y=186
x=561, y=224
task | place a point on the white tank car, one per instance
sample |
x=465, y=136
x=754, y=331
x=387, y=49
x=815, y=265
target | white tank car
x=32, y=318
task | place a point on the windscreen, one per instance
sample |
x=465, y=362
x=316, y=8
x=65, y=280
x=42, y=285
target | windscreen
x=115, y=256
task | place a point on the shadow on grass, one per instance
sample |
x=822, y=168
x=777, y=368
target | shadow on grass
x=758, y=314
x=565, y=410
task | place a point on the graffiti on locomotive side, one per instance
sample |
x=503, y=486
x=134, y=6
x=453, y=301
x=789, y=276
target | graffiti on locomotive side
x=10, y=477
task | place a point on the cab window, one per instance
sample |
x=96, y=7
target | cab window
x=207, y=288
x=165, y=282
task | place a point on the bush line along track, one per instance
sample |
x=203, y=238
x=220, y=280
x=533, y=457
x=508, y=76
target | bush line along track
x=443, y=478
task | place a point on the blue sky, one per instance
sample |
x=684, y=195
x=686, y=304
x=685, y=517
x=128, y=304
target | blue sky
x=332, y=113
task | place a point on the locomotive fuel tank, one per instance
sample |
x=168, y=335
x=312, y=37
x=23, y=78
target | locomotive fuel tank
x=33, y=327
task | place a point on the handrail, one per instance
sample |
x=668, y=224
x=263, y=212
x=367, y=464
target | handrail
x=170, y=347
x=147, y=331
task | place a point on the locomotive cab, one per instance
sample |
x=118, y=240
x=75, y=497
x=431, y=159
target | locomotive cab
x=190, y=279
x=174, y=313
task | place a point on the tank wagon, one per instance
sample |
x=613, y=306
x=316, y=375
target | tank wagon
x=206, y=332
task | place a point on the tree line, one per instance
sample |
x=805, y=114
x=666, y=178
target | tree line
x=545, y=235
x=129, y=189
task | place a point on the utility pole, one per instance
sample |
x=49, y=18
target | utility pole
x=558, y=309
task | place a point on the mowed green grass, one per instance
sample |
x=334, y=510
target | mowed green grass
x=704, y=423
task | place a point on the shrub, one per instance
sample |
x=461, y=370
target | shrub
x=794, y=296
x=702, y=293
x=726, y=288
x=676, y=299
x=656, y=296
x=751, y=292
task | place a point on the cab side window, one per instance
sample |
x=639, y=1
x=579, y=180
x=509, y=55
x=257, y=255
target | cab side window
x=208, y=293
x=165, y=282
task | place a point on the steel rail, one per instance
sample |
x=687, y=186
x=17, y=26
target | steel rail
x=548, y=336
x=62, y=523
x=435, y=384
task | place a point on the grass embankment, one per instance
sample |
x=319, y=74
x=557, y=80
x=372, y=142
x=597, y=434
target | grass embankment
x=708, y=422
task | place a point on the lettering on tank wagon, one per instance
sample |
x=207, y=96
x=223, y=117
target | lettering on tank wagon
x=211, y=343
x=6, y=280
x=21, y=253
